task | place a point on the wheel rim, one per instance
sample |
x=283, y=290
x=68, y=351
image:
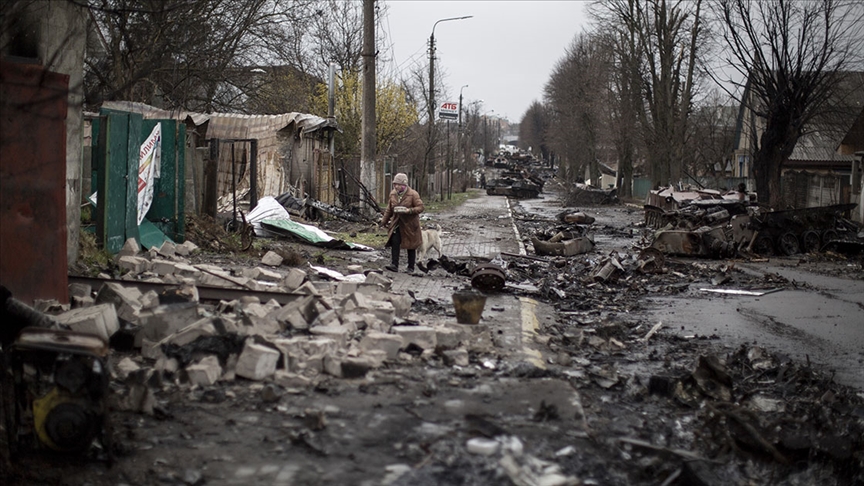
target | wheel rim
x=810, y=239
x=763, y=246
x=788, y=244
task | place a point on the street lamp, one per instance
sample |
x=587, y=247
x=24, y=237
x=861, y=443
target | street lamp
x=432, y=91
x=432, y=65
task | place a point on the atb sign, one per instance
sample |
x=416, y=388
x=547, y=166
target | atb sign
x=448, y=111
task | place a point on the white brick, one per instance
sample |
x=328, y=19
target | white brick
x=389, y=343
x=262, y=274
x=205, y=372
x=336, y=333
x=100, y=320
x=162, y=267
x=149, y=300
x=126, y=300
x=456, y=357
x=185, y=270
x=448, y=337
x=130, y=248
x=80, y=290
x=168, y=249
x=186, y=248
x=257, y=361
x=202, y=327
x=160, y=322
x=294, y=279
x=133, y=264
x=422, y=336
x=271, y=259
x=378, y=279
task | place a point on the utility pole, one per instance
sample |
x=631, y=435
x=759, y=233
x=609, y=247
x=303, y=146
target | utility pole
x=368, y=148
x=430, y=151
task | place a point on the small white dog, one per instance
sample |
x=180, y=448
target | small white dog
x=431, y=239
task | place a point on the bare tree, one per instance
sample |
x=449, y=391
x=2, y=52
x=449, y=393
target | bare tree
x=534, y=130
x=576, y=92
x=791, y=56
x=713, y=139
x=665, y=36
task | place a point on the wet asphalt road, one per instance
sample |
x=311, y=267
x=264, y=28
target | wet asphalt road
x=823, y=322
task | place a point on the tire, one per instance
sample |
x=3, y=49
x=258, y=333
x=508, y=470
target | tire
x=828, y=236
x=810, y=241
x=787, y=244
x=763, y=246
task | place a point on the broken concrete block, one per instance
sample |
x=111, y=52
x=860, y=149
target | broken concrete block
x=448, y=337
x=257, y=361
x=205, y=372
x=307, y=288
x=166, y=365
x=253, y=309
x=124, y=367
x=379, y=279
x=151, y=349
x=328, y=318
x=80, y=290
x=322, y=346
x=456, y=357
x=126, y=300
x=354, y=269
x=307, y=365
x=100, y=320
x=383, y=310
x=261, y=326
x=333, y=366
x=78, y=302
x=389, y=343
x=353, y=301
x=289, y=317
x=294, y=279
x=130, y=248
x=167, y=249
x=262, y=274
x=474, y=336
x=133, y=264
x=356, y=367
x=202, y=327
x=345, y=288
x=422, y=336
x=336, y=333
x=376, y=357
x=164, y=320
x=271, y=259
x=185, y=270
x=162, y=267
x=186, y=248
x=149, y=300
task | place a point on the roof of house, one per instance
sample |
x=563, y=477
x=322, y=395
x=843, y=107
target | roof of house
x=230, y=125
x=828, y=130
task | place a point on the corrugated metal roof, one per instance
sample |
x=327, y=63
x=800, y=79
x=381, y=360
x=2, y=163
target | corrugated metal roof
x=231, y=125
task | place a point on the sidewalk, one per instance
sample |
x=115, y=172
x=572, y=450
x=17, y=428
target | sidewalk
x=482, y=227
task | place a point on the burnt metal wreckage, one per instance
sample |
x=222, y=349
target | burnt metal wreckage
x=522, y=177
x=711, y=224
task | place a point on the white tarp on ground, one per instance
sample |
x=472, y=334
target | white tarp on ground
x=267, y=208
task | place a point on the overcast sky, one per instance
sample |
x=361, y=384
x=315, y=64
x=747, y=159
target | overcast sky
x=505, y=53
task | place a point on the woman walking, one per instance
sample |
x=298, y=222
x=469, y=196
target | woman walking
x=402, y=217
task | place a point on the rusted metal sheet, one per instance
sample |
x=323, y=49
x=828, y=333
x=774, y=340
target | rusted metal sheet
x=33, y=262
